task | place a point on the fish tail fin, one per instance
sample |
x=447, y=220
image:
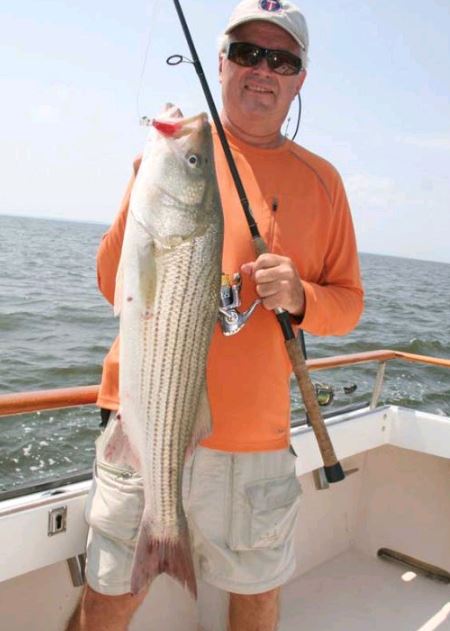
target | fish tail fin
x=154, y=556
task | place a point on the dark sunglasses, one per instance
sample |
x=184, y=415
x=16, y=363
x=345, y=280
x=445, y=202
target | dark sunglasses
x=280, y=61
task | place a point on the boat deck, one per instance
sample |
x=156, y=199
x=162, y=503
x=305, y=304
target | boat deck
x=354, y=592
x=395, y=496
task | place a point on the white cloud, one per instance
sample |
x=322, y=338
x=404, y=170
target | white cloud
x=53, y=104
x=46, y=113
x=374, y=193
x=426, y=141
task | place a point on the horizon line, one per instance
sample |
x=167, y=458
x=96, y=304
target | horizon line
x=95, y=222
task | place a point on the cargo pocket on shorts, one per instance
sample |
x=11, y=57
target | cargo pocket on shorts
x=116, y=500
x=274, y=507
x=264, y=516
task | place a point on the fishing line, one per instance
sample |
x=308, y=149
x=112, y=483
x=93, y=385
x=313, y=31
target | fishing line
x=287, y=126
x=155, y=6
x=299, y=115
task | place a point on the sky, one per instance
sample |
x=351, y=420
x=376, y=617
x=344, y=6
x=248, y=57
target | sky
x=77, y=75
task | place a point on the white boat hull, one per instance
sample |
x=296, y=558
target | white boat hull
x=397, y=497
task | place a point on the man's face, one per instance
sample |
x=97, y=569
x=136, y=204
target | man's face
x=257, y=95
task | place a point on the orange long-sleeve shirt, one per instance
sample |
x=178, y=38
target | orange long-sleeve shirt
x=301, y=209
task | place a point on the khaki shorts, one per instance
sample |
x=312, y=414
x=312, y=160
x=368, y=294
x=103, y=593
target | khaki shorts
x=241, y=510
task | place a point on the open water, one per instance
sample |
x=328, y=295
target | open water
x=55, y=329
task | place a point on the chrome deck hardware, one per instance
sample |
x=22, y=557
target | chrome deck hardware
x=57, y=521
x=77, y=567
x=378, y=385
x=324, y=393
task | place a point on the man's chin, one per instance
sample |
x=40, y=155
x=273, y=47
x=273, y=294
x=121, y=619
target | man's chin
x=258, y=107
x=258, y=99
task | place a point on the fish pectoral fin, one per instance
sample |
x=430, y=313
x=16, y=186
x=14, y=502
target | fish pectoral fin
x=118, y=449
x=155, y=556
x=147, y=279
x=169, y=243
x=163, y=245
x=202, y=426
x=136, y=277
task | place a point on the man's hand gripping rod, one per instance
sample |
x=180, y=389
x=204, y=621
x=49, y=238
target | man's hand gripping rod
x=333, y=469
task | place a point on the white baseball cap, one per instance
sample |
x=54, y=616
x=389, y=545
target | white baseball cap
x=280, y=12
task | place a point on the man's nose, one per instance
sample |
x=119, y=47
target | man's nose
x=263, y=66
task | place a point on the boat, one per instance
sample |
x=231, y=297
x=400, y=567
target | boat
x=373, y=551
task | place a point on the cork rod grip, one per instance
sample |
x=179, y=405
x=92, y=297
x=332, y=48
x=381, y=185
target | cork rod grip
x=310, y=401
x=333, y=469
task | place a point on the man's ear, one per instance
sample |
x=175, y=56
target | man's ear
x=299, y=83
x=221, y=55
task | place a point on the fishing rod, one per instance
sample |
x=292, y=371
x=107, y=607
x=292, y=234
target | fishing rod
x=332, y=467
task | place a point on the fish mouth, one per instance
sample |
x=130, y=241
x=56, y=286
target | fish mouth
x=177, y=127
x=194, y=123
x=203, y=116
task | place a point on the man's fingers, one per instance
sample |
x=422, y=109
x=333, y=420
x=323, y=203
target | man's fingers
x=282, y=272
x=268, y=260
x=268, y=268
x=248, y=268
x=277, y=282
x=271, y=303
x=269, y=289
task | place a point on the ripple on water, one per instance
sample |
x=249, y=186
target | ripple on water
x=58, y=329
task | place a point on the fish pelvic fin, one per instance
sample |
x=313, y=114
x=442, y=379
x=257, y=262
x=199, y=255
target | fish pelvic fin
x=153, y=557
x=118, y=449
x=202, y=426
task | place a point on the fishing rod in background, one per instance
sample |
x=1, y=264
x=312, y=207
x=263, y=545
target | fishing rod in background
x=332, y=467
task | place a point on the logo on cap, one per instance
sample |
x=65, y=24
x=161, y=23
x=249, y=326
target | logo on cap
x=270, y=5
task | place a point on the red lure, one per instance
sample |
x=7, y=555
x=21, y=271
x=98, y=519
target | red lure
x=166, y=128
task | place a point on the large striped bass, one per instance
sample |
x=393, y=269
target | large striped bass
x=167, y=293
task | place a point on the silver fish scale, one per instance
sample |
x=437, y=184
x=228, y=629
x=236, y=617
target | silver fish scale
x=176, y=342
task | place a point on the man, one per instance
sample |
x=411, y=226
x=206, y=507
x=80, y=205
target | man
x=243, y=544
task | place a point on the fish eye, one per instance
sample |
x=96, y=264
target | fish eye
x=194, y=160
